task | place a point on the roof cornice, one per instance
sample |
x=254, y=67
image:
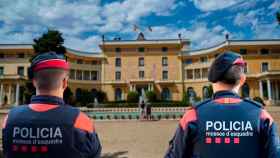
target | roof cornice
x=232, y=43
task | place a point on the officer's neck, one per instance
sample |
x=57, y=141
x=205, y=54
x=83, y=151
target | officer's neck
x=55, y=93
x=219, y=86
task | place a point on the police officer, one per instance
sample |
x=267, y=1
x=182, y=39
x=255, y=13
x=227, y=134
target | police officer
x=47, y=127
x=226, y=126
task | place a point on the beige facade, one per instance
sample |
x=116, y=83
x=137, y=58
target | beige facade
x=167, y=67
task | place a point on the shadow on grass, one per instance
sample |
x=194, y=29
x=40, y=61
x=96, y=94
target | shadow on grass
x=119, y=154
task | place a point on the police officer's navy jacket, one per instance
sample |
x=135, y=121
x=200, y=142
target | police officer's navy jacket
x=48, y=128
x=225, y=127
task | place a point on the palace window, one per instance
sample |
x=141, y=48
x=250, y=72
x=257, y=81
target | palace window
x=141, y=49
x=164, y=61
x=188, y=61
x=264, y=51
x=79, y=75
x=86, y=75
x=165, y=75
x=79, y=61
x=197, y=74
x=94, y=75
x=245, y=91
x=72, y=74
x=94, y=62
x=164, y=49
x=141, y=61
x=165, y=94
x=118, y=62
x=118, y=50
x=118, y=75
x=243, y=51
x=20, y=55
x=20, y=70
x=141, y=74
x=190, y=74
x=1, y=71
x=264, y=67
x=205, y=73
x=118, y=94
x=246, y=68
x=203, y=59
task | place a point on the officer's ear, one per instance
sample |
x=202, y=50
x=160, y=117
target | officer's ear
x=242, y=80
x=65, y=82
x=34, y=83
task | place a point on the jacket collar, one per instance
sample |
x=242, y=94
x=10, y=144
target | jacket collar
x=225, y=94
x=45, y=99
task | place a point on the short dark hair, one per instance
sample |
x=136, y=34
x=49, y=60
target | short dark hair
x=49, y=79
x=232, y=75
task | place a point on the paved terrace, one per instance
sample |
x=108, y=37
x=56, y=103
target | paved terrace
x=141, y=139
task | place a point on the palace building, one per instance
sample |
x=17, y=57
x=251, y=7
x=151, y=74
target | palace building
x=166, y=66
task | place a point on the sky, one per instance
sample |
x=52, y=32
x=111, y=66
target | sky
x=83, y=22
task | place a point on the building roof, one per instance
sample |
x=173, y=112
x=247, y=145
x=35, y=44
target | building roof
x=232, y=43
x=146, y=42
x=68, y=50
x=16, y=46
x=84, y=54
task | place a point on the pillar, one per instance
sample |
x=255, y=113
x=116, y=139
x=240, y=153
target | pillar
x=17, y=94
x=130, y=87
x=261, y=88
x=152, y=87
x=9, y=94
x=277, y=90
x=1, y=94
x=269, y=89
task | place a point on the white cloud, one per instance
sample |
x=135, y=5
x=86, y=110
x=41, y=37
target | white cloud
x=89, y=44
x=267, y=31
x=212, y=5
x=200, y=35
x=243, y=19
x=74, y=18
x=119, y=15
x=275, y=5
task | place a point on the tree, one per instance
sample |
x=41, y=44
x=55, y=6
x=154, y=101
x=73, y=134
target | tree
x=50, y=41
x=278, y=17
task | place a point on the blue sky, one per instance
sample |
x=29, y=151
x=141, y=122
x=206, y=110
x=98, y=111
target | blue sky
x=83, y=22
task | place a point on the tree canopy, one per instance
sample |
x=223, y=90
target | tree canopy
x=50, y=41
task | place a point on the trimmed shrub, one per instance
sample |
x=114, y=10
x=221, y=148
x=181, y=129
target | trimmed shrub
x=259, y=100
x=151, y=96
x=108, y=117
x=101, y=96
x=132, y=97
x=185, y=101
x=167, y=116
